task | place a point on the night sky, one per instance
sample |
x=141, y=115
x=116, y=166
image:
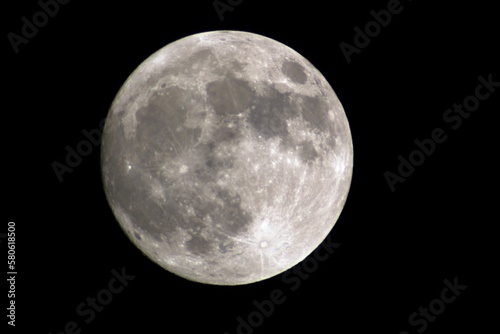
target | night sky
x=413, y=249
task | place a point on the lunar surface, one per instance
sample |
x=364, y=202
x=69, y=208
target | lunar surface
x=226, y=157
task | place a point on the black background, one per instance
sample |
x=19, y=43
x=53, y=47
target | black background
x=396, y=247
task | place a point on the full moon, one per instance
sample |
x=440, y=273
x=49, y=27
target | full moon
x=226, y=157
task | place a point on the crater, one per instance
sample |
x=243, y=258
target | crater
x=294, y=71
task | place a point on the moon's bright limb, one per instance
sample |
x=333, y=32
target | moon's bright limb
x=226, y=157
